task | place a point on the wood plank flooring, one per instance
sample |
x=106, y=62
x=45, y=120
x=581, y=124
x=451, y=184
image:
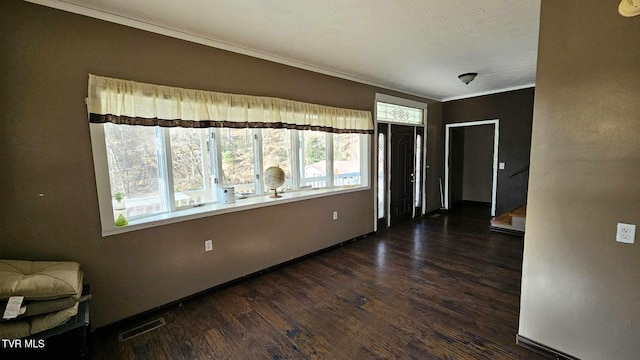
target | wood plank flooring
x=440, y=287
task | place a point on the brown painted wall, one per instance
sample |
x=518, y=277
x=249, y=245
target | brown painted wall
x=514, y=109
x=477, y=179
x=456, y=165
x=580, y=288
x=45, y=148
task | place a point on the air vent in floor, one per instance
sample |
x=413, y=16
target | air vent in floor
x=138, y=330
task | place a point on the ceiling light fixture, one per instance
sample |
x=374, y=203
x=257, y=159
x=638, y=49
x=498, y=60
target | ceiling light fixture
x=467, y=77
x=629, y=8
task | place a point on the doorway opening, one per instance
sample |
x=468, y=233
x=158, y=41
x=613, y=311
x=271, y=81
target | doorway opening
x=479, y=167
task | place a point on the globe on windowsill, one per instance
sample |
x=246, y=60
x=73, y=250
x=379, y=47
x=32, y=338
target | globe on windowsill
x=274, y=178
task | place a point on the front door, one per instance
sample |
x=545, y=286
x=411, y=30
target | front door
x=402, y=173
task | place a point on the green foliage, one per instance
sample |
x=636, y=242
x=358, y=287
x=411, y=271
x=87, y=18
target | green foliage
x=121, y=221
x=228, y=155
x=119, y=196
x=315, y=150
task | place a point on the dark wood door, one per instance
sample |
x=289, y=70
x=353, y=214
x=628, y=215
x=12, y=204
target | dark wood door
x=402, y=177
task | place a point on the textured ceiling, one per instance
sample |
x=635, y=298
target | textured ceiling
x=417, y=46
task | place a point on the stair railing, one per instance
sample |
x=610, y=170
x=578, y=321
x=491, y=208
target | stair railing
x=521, y=170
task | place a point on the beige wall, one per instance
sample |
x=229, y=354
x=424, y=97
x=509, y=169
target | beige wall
x=45, y=148
x=580, y=288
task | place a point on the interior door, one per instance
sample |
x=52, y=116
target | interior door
x=402, y=175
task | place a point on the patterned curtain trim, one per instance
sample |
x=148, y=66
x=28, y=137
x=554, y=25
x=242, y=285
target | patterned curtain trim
x=126, y=120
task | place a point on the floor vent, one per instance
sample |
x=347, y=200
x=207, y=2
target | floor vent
x=138, y=330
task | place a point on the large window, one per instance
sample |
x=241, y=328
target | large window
x=154, y=170
x=164, y=154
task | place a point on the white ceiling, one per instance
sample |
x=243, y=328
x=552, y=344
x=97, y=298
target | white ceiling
x=416, y=46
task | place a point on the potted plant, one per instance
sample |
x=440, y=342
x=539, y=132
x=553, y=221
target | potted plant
x=120, y=204
x=121, y=221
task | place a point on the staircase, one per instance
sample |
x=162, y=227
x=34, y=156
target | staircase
x=511, y=222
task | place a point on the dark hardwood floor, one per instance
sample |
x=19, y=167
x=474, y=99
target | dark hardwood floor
x=440, y=287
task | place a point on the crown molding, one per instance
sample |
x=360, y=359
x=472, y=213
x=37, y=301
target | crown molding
x=489, y=92
x=199, y=39
x=195, y=38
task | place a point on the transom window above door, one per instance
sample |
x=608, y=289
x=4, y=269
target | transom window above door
x=393, y=113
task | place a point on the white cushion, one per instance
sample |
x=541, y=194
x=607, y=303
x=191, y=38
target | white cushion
x=19, y=328
x=40, y=280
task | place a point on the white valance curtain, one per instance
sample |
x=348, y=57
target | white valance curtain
x=133, y=103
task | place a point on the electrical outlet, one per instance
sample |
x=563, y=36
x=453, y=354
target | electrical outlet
x=626, y=233
x=501, y=166
x=208, y=245
x=335, y=215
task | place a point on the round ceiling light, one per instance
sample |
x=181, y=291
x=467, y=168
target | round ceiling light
x=467, y=77
x=629, y=8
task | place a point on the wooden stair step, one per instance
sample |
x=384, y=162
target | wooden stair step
x=519, y=212
x=512, y=221
x=504, y=219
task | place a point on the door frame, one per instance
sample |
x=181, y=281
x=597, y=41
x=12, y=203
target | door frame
x=404, y=102
x=496, y=138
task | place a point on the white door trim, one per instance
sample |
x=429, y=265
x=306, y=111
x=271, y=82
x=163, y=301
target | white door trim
x=494, y=188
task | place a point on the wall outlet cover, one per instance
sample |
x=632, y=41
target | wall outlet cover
x=208, y=245
x=626, y=233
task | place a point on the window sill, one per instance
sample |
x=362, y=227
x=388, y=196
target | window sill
x=218, y=208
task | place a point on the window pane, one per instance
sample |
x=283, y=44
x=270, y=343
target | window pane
x=381, y=169
x=418, y=167
x=133, y=169
x=314, y=155
x=236, y=152
x=191, y=180
x=346, y=159
x=276, y=151
x=398, y=113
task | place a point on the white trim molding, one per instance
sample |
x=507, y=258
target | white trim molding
x=496, y=138
x=199, y=39
x=203, y=40
x=400, y=101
